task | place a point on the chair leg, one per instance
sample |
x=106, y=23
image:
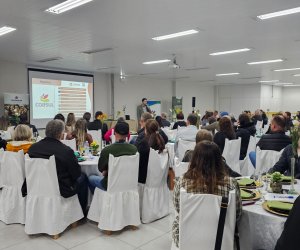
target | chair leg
x=107, y=232
x=74, y=224
x=133, y=227
x=55, y=237
x=171, y=176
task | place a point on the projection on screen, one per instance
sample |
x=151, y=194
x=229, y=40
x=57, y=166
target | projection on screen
x=50, y=96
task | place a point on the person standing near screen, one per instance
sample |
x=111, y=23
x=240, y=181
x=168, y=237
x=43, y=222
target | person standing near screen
x=142, y=108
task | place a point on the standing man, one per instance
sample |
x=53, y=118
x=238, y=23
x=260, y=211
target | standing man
x=142, y=108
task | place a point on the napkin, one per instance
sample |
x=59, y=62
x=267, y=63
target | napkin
x=246, y=182
x=246, y=194
x=280, y=206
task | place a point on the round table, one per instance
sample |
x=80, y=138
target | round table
x=90, y=166
x=260, y=229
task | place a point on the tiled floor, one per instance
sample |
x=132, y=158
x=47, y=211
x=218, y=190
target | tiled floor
x=153, y=236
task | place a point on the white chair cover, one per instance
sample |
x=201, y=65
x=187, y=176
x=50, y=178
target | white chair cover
x=259, y=124
x=231, y=153
x=180, y=168
x=119, y=205
x=70, y=143
x=97, y=136
x=46, y=210
x=12, y=175
x=5, y=135
x=247, y=169
x=198, y=221
x=183, y=146
x=113, y=137
x=170, y=133
x=11, y=131
x=154, y=194
x=266, y=159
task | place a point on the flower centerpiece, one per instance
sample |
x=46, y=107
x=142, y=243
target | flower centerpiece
x=102, y=117
x=276, y=184
x=95, y=147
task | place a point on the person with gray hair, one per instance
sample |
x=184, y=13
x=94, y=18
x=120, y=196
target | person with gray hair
x=70, y=179
x=164, y=120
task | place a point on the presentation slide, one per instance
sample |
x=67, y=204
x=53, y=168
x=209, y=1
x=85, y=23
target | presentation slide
x=51, y=95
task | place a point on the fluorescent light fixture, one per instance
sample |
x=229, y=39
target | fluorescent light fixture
x=5, y=29
x=296, y=85
x=158, y=61
x=229, y=52
x=263, y=62
x=269, y=81
x=66, y=5
x=227, y=74
x=291, y=69
x=279, y=13
x=297, y=75
x=283, y=83
x=183, y=33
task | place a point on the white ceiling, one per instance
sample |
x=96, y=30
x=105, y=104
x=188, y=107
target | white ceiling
x=128, y=26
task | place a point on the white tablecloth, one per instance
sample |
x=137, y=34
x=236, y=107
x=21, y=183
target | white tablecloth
x=260, y=229
x=90, y=166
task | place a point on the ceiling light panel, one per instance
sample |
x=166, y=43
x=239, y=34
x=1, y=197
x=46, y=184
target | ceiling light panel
x=6, y=29
x=66, y=5
x=227, y=74
x=279, y=13
x=158, y=61
x=94, y=51
x=267, y=61
x=291, y=69
x=297, y=75
x=229, y=52
x=266, y=81
x=178, y=34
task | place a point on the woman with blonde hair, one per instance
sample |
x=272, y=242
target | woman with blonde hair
x=70, y=124
x=21, y=139
x=80, y=133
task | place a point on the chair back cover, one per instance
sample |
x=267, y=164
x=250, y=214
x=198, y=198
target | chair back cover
x=154, y=195
x=118, y=207
x=198, y=221
x=96, y=135
x=231, y=153
x=180, y=167
x=70, y=143
x=259, y=124
x=12, y=175
x=183, y=146
x=171, y=133
x=46, y=210
x=266, y=159
x=113, y=137
x=251, y=145
x=246, y=166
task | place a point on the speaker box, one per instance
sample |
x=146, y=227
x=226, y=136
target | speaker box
x=193, y=102
x=127, y=117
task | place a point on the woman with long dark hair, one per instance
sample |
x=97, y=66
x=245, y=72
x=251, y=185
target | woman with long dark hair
x=152, y=140
x=80, y=133
x=206, y=175
x=226, y=131
x=70, y=124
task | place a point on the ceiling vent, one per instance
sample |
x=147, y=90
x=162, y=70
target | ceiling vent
x=94, y=51
x=49, y=59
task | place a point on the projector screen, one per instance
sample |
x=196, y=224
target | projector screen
x=53, y=92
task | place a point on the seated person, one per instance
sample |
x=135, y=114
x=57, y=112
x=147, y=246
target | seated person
x=70, y=179
x=97, y=124
x=245, y=129
x=205, y=135
x=3, y=143
x=107, y=136
x=59, y=117
x=289, y=237
x=288, y=120
x=284, y=163
x=119, y=148
x=80, y=133
x=141, y=133
x=164, y=121
x=87, y=116
x=226, y=132
x=24, y=120
x=153, y=140
x=257, y=116
x=180, y=121
x=213, y=125
x=277, y=139
x=21, y=139
x=206, y=175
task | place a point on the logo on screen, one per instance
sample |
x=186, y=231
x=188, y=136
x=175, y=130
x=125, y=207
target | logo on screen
x=44, y=98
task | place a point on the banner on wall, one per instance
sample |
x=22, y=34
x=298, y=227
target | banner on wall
x=16, y=105
x=155, y=106
x=176, y=106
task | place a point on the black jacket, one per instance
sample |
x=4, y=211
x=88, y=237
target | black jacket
x=219, y=139
x=2, y=143
x=165, y=123
x=274, y=141
x=284, y=163
x=179, y=123
x=289, y=238
x=67, y=167
x=141, y=136
x=96, y=125
x=245, y=132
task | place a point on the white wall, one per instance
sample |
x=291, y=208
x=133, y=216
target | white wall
x=271, y=98
x=237, y=98
x=102, y=92
x=13, y=79
x=290, y=99
x=204, y=96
